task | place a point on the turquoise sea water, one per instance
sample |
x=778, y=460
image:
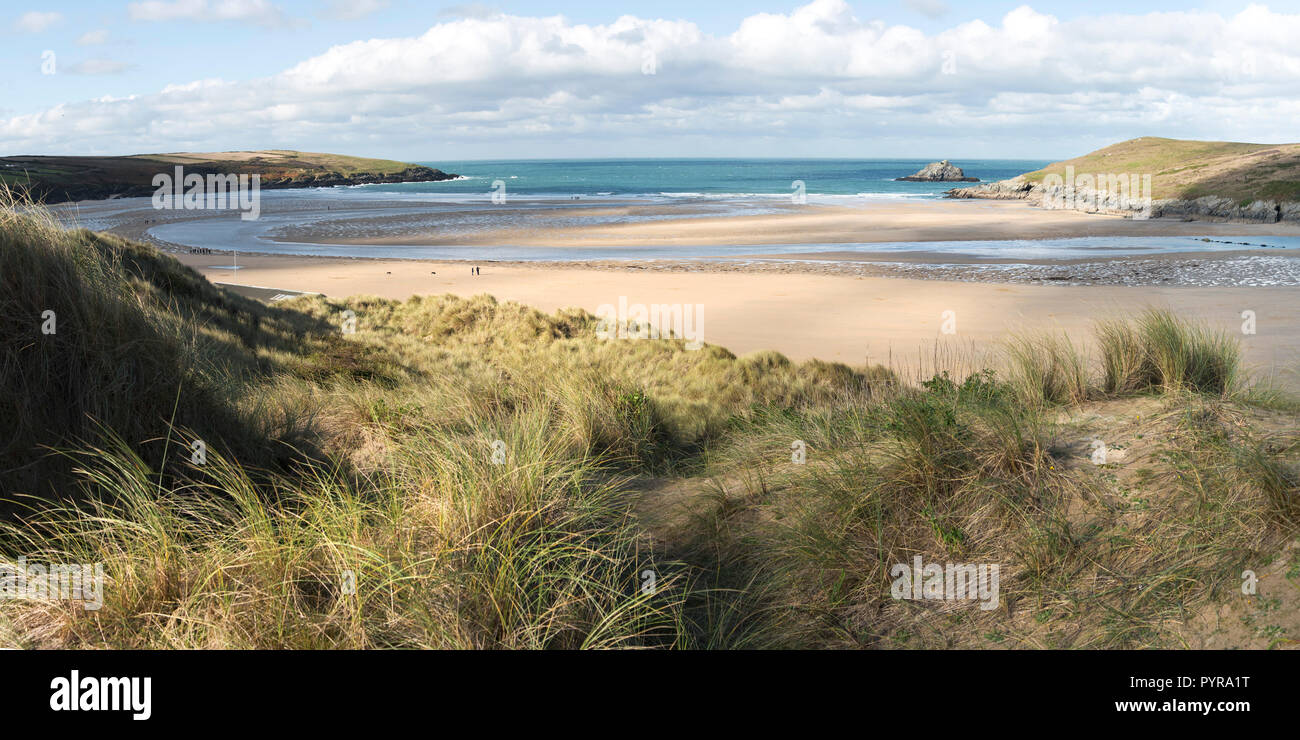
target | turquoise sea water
x=705, y=177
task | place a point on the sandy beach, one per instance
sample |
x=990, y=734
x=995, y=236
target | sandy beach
x=826, y=316
x=837, y=305
x=872, y=221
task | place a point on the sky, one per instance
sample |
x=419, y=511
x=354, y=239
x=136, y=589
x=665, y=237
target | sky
x=429, y=81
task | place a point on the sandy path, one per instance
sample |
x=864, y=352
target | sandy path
x=831, y=317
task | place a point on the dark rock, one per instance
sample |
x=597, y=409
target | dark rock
x=1017, y=188
x=944, y=171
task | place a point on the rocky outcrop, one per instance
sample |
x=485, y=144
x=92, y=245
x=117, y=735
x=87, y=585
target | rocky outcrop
x=1017, y=188
x=1214, y=208
x=1206, y=208
x=944, y=171
x=332, y=179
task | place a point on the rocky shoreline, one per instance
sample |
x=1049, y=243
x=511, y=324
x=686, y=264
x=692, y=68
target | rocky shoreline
x=329, y=179
x=1085, y=200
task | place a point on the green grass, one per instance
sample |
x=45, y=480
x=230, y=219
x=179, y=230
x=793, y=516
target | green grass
x=964, y=473
x=1159, y=350
x=490, y=476
x=1189, y=169
x=1048, y=369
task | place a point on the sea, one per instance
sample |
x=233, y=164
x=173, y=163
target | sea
x=705, y=178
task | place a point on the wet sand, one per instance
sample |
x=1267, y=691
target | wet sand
x=871, y=222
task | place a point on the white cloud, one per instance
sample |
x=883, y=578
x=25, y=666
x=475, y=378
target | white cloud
x=93, y=38
x=259, y=12
x=785, y=81
x=35, y=22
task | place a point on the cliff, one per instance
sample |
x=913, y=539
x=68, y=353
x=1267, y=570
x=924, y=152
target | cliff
x=54, y=179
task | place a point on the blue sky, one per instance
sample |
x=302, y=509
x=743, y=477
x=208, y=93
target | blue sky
x=417, y=80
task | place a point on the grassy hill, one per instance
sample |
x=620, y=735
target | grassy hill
x=1188, y=169
x=54, y=178
x=490, y=476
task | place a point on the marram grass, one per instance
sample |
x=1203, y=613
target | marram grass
x=464, y=473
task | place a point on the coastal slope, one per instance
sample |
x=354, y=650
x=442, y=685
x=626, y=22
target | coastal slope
x=56, y=179
x=1201, y=180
